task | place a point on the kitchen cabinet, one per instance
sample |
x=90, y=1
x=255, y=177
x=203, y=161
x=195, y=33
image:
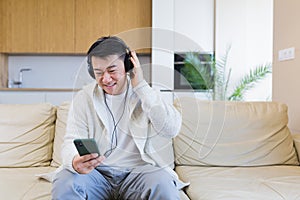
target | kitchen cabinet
x=96, y=18
x=55, y=26
x=37, y=26
x=129, y=14
x=18, y=25
x=92, y=20
x=68, y=26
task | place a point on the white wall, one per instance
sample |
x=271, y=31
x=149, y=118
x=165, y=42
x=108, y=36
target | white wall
x=194, y=19
x=286, y=80
x=246, y=26
x=162, y=44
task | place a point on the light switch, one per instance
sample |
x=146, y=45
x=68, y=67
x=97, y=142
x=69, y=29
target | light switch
x=286, y=54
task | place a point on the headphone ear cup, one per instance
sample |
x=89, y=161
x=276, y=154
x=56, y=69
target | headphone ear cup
x=89, y=59
x=91, y=71
x=127, y=62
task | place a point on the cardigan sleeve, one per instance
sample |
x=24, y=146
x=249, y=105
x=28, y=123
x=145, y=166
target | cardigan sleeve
x=164, y=117
x=76, y=128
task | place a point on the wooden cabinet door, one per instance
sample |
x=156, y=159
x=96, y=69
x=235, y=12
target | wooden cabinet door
x=97, y=18
x=37, y=26
x=129, y=14
x=19, y=26
x=55, y=26
x=92, y=20
x=132, y=21
x=68, y=26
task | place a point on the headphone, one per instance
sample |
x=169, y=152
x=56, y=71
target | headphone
x=101, y=42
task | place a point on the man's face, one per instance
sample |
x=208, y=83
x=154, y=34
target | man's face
x=110, y=74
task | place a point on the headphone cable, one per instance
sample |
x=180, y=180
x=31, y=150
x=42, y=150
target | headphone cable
x=114, y=133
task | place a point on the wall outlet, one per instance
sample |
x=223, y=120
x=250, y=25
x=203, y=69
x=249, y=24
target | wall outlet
x=286, y=54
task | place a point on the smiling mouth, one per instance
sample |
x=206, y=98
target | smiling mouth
x=110, y=86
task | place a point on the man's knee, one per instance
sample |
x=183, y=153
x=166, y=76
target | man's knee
x=160, y=185
x=164, y=188
x=65, y=185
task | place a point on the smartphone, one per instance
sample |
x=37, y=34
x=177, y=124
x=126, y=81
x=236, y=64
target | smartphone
x=86, y=146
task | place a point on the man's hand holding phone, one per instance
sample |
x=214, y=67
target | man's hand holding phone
x=88, y=158
x=87, y=163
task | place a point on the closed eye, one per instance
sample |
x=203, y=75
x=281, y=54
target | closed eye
x=111, y=70
x=99, y=73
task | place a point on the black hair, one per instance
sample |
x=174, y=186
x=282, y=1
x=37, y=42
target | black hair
x=106, y=46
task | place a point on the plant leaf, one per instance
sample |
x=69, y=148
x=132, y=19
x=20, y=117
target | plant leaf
x=197, y=73
x=249, y=80
x=221, y=82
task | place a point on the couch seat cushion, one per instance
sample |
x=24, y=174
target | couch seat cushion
x=21, y=183
x=259, y=183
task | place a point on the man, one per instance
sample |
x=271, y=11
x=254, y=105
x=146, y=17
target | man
x=126, y=117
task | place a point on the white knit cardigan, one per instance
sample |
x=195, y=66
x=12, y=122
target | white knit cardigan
x=153, y=124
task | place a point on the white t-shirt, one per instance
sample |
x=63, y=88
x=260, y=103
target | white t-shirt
x=125, y=153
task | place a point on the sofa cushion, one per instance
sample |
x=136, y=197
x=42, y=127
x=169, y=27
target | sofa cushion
x=21, y=183
x=259, y=183
x=296, y=138
x=216, y=133
x=26, y=135
x=60, y=130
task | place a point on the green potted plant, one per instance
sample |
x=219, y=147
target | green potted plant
x=198, y=73
x=216, y=77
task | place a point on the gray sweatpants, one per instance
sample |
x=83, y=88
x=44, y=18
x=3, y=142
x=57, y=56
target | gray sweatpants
x=146, y=182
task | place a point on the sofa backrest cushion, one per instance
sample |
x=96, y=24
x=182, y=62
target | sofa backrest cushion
x=296, y=139
x=216, y=133
x=26, y=134
x=60, y=131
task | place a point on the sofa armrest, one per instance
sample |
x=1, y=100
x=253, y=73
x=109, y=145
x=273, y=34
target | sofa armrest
x=296, y=138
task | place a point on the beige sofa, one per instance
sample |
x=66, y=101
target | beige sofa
x=237, y=150
x=226, y=150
